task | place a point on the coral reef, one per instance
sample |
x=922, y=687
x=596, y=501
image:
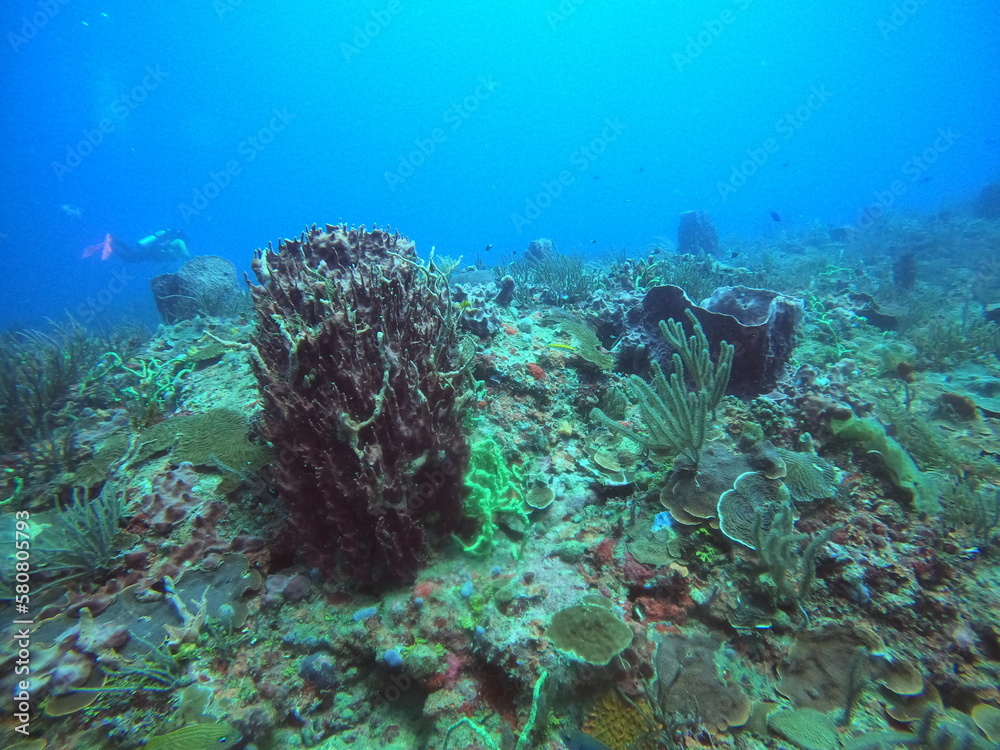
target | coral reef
x=589, y=632
x=481, y=295
x=438, y=564
x=688, y=681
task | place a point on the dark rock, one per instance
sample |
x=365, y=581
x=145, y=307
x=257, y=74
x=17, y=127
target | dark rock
x=957, y=407
x=607, y=314
x=904, y=271
x=841, y=234
x=290, y=588
x=320, y=670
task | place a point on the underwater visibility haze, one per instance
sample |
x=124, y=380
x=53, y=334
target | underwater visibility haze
x=450, y=376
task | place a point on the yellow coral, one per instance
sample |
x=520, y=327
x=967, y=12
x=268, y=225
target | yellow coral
x=619, y=724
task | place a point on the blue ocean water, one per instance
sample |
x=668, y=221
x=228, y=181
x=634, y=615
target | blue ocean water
x=464, y=125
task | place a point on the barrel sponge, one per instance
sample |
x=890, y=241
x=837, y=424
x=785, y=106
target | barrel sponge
x=363, y=389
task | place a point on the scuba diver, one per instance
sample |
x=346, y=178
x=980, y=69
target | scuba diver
x=165, y=245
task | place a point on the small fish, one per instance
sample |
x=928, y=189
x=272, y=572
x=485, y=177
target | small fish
x=197, y=737
x=575, y=740
x=71, y=211
x=567, y=347
x=774, y=215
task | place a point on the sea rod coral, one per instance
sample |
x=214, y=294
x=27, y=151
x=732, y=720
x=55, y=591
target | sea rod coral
x=361, y=378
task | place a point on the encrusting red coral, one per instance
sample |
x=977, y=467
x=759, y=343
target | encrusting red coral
x=536, y=372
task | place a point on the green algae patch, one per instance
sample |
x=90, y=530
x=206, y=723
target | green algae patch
x=587, y=346
x=902, y=469
x=494, y=487
x=219, y=437
x=208, y=354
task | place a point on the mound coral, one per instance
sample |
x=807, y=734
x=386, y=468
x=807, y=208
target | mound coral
x=590, y=632
x=205, y=285
x=688, y=681
x=359, y=369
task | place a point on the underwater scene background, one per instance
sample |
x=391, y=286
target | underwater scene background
x=527, y=375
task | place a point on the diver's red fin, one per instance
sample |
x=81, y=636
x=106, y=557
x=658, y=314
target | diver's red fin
x=104, y=248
